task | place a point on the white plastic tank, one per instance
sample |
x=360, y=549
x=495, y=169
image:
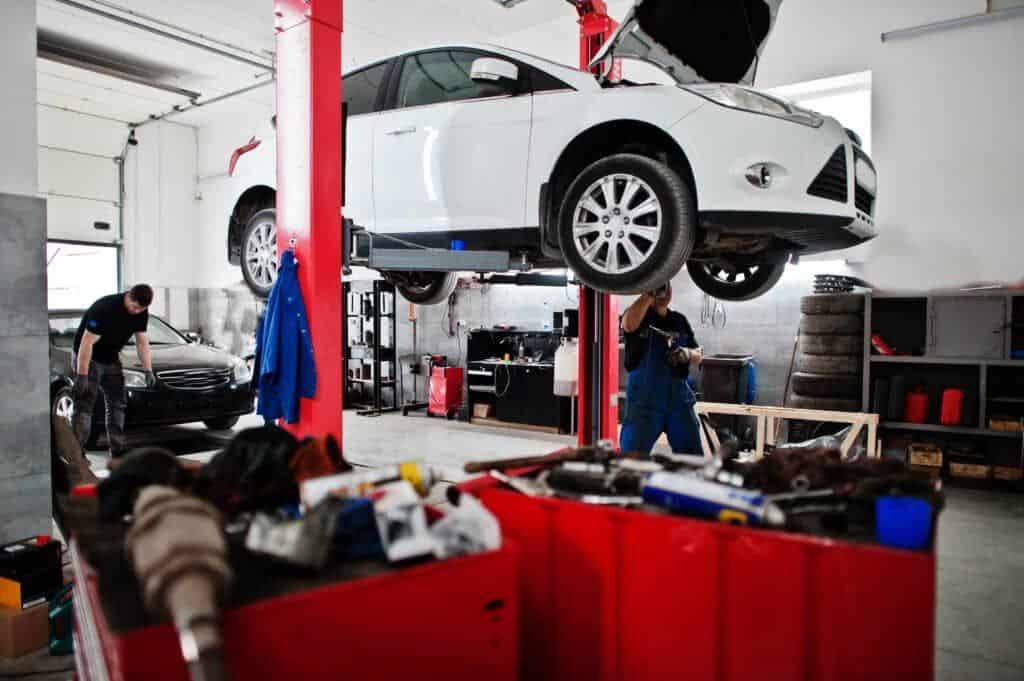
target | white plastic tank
x=566, y=367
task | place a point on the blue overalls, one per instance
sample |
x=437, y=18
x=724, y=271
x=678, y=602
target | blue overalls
x=659, y=401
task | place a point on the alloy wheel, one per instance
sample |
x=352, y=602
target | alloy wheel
x=617, y=223
x=65, y=408
x=261, y=253
x=728, y=274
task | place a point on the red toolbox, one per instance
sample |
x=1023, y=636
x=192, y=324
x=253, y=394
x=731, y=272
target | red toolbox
x=611, y=594
x=445, y=391
x=455, y=619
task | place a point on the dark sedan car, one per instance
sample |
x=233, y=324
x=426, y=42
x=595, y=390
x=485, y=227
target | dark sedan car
x=194, y=382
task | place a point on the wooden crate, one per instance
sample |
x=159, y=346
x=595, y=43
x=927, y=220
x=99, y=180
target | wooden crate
x=1012, y=425
x=1012, y=473
x=923, y=454
x=970, y=470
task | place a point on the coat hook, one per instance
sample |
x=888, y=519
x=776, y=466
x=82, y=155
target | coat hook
x=292, y=242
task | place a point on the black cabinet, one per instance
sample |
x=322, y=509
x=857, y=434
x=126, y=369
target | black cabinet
x=520, y=392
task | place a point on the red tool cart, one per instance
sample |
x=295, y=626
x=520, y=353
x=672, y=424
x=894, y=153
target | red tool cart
x=611, y=594
x=448, y=620
x=445, y=391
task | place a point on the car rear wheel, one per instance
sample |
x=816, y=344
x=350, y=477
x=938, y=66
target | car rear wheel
x=259, y=252
x=63, y=407
x=733, y=281
x=627, y=224
x=424, y=288
x=221, y=423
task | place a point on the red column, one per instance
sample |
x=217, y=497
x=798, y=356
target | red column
x=309, y=175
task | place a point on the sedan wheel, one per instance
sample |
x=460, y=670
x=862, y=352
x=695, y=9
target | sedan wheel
x=259, y=252
x=617, y=223
x=64, y=406
x=727, y=280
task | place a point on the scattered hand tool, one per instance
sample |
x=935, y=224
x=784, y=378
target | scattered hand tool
x=601, y=452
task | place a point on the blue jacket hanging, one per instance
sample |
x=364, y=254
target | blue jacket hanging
x=284, y=348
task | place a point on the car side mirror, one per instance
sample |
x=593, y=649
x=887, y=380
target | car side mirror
x=491, y=70
x=193, y=337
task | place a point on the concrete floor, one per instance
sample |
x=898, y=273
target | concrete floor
x=980, y=618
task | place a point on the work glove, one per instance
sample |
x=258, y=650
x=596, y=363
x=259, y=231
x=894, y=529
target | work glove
x=678, y=357
x=150, y=378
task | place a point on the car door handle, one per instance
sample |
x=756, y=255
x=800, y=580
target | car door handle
x=402, y=131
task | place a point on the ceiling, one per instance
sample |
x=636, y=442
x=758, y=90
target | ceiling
x=373, y=29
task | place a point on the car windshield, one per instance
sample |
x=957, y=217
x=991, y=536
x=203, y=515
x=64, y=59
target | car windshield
x=64, y=328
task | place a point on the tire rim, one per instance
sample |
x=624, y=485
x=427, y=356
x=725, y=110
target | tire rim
x=65, y=408
x=729, y=274
x=617, y=224
x=261, y=254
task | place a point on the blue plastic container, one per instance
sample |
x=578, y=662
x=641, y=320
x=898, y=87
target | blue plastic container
x=458, y=245
x=903, y=522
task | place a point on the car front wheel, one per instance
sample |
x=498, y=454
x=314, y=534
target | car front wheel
x=259, y=252
x=627, y=224
x=424, y=288
x=221, y=423
x=727, y=280
x=64, y=407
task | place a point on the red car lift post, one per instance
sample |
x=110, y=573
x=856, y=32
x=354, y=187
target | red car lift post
x=309, y=177
x=598, y=401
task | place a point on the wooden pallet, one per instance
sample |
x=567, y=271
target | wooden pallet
x=766, y=417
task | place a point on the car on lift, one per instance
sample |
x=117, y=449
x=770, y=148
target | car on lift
x=194, y=382
x=625, y=183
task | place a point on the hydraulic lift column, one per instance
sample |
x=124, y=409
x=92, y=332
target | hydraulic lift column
x=599, y=312
x=309, y=177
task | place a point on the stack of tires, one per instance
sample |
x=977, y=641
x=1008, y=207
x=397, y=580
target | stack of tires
x=830, y=360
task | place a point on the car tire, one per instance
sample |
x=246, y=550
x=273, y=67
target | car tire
x=831, y=365
x=823, y=403
x=63, y=407
x=658, y=243
x=424, y=288
x=259, y=252
x=221, y=423
x=825, y=385
x=839, y=303
x=832, y=346
x=713, y=278
x=831, y=324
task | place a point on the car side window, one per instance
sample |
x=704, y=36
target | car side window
x=545, y=82
x=443, y=76
x=359, y=90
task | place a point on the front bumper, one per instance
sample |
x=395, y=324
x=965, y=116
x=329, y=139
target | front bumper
x=165, y=406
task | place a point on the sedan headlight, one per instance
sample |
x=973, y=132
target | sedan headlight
x=240, y=372
x=134, y=379
x=740, y=98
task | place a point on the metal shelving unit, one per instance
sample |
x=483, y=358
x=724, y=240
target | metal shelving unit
x=376, y=307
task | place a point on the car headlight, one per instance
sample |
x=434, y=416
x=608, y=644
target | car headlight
x=741, y=98
x=134, y=379
x=240, y=372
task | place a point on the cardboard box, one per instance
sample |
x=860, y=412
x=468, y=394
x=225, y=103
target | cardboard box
x=933, y=471
x=483, y=411
x=1011, y=473
x=24, y=631
x=970, y=470
x=923, y=454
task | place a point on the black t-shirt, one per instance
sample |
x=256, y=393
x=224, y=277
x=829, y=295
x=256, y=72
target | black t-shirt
x=109, y=319
x=637, y=342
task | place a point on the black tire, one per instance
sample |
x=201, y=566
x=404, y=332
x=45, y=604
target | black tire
x=221, y=423
x=839, y=303
x=833, y=346
x=259, y=276
x=831, y=324
x=424, y=288
x=824, y=385
x=64, y=394
x=831, y=365
x=823, y=403
x=713, y=278
x=664, y=257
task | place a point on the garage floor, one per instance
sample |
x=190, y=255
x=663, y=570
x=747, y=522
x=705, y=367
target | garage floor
x=980, y=627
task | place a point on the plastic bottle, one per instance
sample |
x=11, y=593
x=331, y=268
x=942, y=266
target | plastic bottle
x=547, y=316
x=566, y=367
x=362, y=483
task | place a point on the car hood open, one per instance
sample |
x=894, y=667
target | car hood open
x=696, y=41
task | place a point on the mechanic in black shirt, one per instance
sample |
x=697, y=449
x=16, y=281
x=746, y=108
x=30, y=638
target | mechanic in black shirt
x=105, y=329
x=660, y=351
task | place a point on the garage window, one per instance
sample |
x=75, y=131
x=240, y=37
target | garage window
x=360, y=89
x=78, y=274
x=443, y=76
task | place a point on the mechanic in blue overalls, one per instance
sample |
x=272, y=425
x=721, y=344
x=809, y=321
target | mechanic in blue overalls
x=660, y=351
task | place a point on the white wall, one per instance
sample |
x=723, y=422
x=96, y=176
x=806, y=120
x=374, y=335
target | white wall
x=18, y=85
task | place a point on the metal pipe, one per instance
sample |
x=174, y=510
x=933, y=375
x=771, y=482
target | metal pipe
x=50, y=53
x=970, y=20
x=83, y=113
x=164, y=34
x=196, y=105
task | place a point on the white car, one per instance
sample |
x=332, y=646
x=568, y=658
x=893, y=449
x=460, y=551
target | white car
x=624, y=183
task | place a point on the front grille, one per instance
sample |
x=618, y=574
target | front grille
x=831, y=182
x=864, y=200
x=195, y=379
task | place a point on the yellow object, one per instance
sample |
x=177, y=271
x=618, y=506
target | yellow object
x=410, y=471
x=507, y=357
x=728, y=515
